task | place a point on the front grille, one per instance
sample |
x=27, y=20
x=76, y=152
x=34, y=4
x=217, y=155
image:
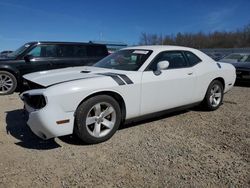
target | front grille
x=34, y=101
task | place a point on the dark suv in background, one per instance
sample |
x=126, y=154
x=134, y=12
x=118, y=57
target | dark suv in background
x=39, y=56
x=5, y=53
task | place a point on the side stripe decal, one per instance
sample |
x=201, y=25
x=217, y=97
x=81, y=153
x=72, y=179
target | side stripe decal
x=115, y=78
x=121, y=79
x=126, y=78
x=70, y=80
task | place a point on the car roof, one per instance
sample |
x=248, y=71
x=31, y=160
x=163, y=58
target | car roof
x=160, y=47
x=61, y=42
x=239, y=54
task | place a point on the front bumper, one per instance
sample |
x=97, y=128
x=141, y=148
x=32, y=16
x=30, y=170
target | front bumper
x=243, y=73
x=44, y=124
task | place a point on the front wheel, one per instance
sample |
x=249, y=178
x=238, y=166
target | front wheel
x=97, y=119
x=214, y=95
x=8, y=83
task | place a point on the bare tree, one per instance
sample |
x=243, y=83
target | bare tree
x=217, y=39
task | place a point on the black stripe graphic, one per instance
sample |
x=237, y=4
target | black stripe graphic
x=115, y=78
x=71, y=80
x=123, y=76
x=126, y=78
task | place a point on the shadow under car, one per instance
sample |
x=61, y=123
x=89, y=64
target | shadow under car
x=17, y=127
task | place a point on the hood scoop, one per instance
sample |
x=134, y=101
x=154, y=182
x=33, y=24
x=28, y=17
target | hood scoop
x=85, y=71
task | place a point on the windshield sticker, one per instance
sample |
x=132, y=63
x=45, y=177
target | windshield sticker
x=140, y=52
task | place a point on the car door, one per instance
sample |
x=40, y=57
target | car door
x=36, y=61
x=172, y=88
x=38, y=64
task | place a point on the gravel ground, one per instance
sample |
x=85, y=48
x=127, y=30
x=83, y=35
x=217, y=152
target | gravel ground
x=191, y=148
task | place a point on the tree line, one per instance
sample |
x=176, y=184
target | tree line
x=218, y=39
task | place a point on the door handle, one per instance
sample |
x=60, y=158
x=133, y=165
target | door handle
x=190, y=73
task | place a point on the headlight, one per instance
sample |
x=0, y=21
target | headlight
x=34, y=101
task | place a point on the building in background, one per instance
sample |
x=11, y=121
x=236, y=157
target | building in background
x=111, y=46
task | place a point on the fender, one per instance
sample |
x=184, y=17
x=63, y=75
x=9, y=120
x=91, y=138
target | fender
x=115, y=94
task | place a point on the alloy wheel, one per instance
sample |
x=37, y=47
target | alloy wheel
x=100, y=119
x=6, y=83
x=215, y=95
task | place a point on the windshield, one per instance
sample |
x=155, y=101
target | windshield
x=129, y=60
x=19, y=51
x=245, y=58
x=234, y=56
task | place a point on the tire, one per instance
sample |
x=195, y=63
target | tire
x=8, y=83
x=214, y=96
x=97, y=119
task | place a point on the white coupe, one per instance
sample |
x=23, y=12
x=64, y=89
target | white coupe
x=133, y=82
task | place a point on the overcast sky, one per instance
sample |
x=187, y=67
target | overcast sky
x=119, y=21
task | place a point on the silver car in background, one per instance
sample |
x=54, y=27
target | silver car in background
x=241, y=62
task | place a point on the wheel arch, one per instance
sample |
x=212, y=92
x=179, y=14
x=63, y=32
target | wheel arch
x=113, y=94
x=11, y=70
x=219, y=79
x=204, y=101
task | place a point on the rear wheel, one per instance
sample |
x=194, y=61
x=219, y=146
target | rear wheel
x=214, y=95
x=8, y=83
x=97, y=119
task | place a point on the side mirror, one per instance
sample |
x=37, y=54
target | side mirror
x=162, y=65
x=27, y=58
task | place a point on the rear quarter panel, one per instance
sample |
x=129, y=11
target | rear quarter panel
x=206, y=72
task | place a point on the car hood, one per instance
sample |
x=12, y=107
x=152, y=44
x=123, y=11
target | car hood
x=53, y=77
x=242, y=65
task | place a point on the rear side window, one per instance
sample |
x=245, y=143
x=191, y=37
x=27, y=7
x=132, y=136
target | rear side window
x=74, y=51
x=69, y=51
x=192, y=59
x=97, y=51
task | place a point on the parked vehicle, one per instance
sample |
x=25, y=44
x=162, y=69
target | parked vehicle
x=215, y=56
x=5, y=53
x=236, y=57
x=241, y=61
x=130, y=83
x=40, y=56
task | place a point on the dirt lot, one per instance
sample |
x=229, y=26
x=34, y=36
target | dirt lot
x=187, y=148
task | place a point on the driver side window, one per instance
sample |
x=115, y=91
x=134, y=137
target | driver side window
x=44, y=51
x=175, y=59
x=35, y=52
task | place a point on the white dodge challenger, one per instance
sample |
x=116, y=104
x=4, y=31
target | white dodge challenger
x=133, y=82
